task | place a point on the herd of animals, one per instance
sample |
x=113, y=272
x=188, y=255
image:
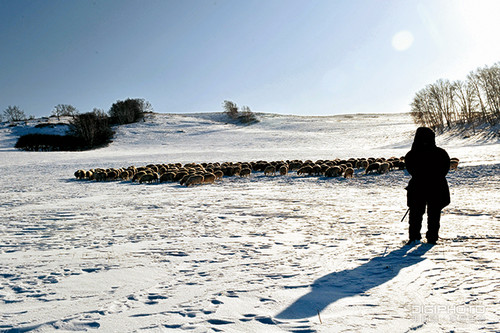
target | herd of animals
x=206, y=173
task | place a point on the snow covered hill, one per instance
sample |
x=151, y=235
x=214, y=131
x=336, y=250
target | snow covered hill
x=263, y=254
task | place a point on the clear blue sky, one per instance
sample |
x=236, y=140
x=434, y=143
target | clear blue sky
x=282, y=56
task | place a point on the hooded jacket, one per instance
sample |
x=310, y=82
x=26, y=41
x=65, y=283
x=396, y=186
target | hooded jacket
x=428, y=166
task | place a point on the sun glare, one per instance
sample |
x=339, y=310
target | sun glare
x=402, y=40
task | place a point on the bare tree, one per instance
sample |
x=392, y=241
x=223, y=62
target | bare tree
x=488, y=80
x=474, y=81
x=145, y=106
x=14, y=113
x=231, y=109
x=419, y=108
x=426, y=109
x=441, y=93
x=99, y=112
x=466, y=102
x=62, y=110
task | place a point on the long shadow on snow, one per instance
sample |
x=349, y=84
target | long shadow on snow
x=334, y=286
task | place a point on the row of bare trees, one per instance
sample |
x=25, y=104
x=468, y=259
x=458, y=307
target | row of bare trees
x=471, y=102
x=14, y=113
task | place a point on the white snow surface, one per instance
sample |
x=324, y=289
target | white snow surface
x=260, y=254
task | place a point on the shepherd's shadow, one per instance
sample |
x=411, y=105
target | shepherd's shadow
x=334, y=286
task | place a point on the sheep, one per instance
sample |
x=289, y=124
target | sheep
x=270, y=170
x=184, y=179
x=397, y=164
x=194, y=180
x=208, y=178
x=316, y=170
x=283, y=170
x=325, y=166
x=111, y=174
x=101, y=176
x=349, y=172
x=152, y=167
x=363, y=164
x=259, y=166
x=180, y=175
x=237, y=169
x=146, y=178
x=294, y=165
x=162, y=170
x=334, y=171
x=167, y=177
x=454, y=163
x=138, y=175
x=125, y=175
x=218, y=174
x=352, y=162
x=149, y=178
x=189, y=173
x=245, y=166
x=80, y=174
x=245, y=172
x=231, y=170
x=304, y=170
x=375, y=166
x=383, y=167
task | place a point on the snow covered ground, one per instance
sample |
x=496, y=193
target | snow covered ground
x=263, y=254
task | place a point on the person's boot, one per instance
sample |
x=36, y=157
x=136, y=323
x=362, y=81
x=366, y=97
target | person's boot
x=413, y=242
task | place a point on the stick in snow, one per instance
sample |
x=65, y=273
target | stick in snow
x=405, y=214
x=319, y=318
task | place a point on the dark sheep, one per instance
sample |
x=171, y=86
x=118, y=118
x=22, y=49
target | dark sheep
x=349, y=172
x=454, y=163
x=334, y=171
x=372, y=167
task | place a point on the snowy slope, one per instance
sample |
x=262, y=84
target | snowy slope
x=263, y=254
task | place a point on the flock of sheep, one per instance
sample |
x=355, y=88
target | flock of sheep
x=206, y=173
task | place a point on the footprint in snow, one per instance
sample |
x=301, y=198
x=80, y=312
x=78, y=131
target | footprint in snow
x=219, y=322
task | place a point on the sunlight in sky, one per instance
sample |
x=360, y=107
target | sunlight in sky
x=402, y=41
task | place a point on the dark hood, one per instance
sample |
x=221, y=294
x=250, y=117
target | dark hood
x=424, y=139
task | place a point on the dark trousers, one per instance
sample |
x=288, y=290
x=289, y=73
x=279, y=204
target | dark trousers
x=417, y=210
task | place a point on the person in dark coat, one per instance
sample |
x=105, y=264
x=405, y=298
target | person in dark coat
x=428, y=188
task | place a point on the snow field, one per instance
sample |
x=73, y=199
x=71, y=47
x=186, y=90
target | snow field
x=264, y=254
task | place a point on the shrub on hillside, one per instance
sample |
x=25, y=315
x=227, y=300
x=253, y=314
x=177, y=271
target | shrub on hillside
x=93, y=128
x=49, y=142
x=88, y=131
x=129, y=111
x=245, y=116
